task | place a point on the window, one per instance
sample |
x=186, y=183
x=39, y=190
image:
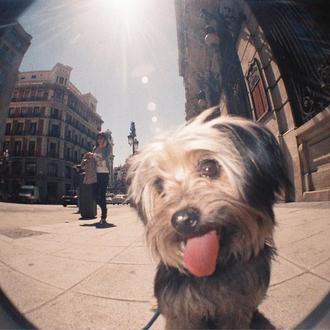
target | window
x=19, y=128
x=26, y=93
x=31, y=168
x=45, y=95
x=257, y=90
x=12, y=112
x=40, y=93
x=52, y=169
x=25, y=112
x=32, y=148
x=54, y=113
x=68, y=153
x=52, y=149
x=55, y=130
x=8, y=128
x=67, y=172
x=17, y=148
x=58, y=94
x=33, y=93
x=33, y=128
x=33, y=76
x=15, y=94
x=61, y=80
x=36, y=112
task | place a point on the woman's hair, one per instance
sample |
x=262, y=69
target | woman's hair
x=103, y=135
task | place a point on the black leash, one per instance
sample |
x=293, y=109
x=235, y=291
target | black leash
x=152, y=321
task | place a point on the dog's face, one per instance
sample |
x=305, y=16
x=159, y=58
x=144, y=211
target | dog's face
x=205, y=193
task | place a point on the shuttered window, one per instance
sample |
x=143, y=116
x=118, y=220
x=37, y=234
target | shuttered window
x=257, y=90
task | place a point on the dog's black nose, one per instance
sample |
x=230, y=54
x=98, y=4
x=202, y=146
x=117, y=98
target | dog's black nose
x=186, y=221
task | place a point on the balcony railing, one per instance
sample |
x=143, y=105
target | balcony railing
x=52, y=154
x=54, y=134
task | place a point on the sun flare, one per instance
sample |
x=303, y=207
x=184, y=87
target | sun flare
x=124, y=9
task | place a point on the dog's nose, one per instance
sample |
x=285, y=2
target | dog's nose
x=186, y=221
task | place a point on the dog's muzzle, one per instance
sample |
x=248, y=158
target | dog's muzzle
x=186, y=221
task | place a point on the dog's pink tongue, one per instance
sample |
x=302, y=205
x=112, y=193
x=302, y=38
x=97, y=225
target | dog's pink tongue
x=201, y=253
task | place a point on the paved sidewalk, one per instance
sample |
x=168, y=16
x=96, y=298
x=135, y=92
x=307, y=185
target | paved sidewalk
x=75, y=275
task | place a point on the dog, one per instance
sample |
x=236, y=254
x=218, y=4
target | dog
x=205, y=195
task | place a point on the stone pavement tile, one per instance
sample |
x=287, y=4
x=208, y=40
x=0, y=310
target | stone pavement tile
x=290, y=302
x=58, y=272
x=323, y=270
x=295, y=217
x=115, y=239
x=89, y=252
x=6, y=239
x=308, y=252
x=9, y=253
x=134, y=255
x=119, y=281
x=285, y=235
x=24, y=292
x=42, y=246
x=283, y=270
x=78, y=311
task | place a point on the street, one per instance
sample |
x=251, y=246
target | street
x=61, y=272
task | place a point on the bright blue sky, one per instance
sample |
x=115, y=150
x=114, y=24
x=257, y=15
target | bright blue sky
x=111, y=45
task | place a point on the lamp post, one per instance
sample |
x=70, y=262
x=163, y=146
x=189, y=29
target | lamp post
x=132, y=140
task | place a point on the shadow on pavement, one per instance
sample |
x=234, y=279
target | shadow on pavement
x=82, y=218
x=319, y=318
x=10, y=317
x=99, y=225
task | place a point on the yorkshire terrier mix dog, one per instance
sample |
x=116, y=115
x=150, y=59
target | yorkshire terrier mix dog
x=206, y=195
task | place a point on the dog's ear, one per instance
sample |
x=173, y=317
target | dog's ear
x=263, y=165
x=134, y=186
x=214, y=113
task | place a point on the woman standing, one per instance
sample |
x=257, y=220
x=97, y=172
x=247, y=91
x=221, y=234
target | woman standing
x=101, y=155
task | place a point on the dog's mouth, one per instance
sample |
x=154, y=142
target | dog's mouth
x=200, y=253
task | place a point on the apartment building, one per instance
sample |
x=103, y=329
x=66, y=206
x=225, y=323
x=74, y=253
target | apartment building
x=50, y=125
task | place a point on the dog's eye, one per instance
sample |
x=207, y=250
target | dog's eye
x=209, y=168
x=159, y=185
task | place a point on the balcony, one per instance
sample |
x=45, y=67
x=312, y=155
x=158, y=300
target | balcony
x=54, y=134
x=29, y=98
x=52, y=154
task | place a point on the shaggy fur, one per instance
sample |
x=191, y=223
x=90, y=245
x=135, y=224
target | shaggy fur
x=233, y=194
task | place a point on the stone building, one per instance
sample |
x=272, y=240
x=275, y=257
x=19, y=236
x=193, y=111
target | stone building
x=268, y=61
x=50, y=125
x=14, y=42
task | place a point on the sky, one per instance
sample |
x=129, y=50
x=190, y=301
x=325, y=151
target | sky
x=122, y=51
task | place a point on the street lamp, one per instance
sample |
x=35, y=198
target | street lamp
x=132, y=140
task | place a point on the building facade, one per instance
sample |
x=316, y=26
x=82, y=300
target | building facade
x=14, y=42
x=268, y=61
x=51, y=125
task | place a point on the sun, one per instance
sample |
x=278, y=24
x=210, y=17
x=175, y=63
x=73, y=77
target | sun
x=124, y=9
